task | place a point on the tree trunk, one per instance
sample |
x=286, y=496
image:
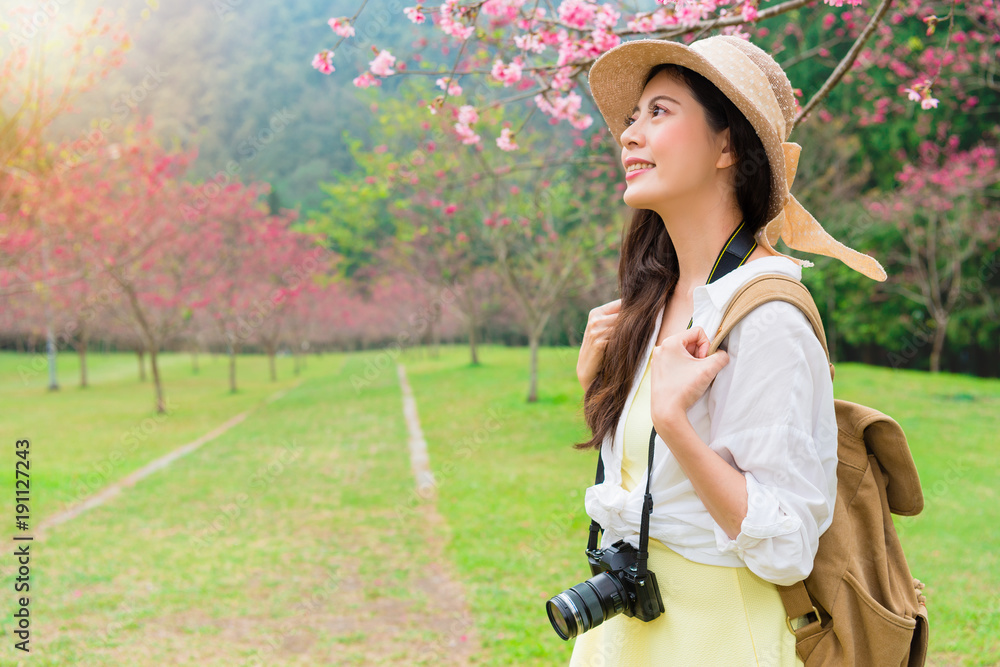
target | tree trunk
x=142, y=364
x=533, y=382
x=940, y=333
x=161, y=406
x=472, y=342
x=432, y=335
x=82, y=351
x=232, y=369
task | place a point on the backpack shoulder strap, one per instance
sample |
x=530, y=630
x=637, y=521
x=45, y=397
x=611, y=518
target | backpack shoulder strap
x=803, y=619
x=770, y=287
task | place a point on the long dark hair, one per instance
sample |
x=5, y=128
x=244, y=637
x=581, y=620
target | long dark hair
x=648, y=271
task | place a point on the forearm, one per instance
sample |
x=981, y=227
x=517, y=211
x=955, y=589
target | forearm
x=720, y=487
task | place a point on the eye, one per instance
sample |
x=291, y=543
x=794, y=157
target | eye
x=629, y=120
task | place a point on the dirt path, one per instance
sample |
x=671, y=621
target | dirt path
x=113, y=489
x=450, y=619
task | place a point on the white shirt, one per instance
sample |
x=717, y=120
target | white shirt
x=769, y=413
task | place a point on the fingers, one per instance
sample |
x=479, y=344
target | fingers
x=719, y=360
x=695, y=342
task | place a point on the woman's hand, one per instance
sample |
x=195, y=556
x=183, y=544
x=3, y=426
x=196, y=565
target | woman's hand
x=595, y=339
x=681, y=374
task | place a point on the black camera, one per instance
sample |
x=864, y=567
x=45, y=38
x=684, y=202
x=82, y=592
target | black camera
x=616, y=588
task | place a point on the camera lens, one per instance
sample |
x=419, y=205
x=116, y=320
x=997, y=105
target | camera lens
x=586, y=605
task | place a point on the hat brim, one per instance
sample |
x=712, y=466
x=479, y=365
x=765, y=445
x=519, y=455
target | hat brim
x=616, y=81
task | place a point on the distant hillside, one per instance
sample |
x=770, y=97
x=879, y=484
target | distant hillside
x=215, y=74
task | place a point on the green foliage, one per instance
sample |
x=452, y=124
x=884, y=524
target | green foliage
x=885, y=143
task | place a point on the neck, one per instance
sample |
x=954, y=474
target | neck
x=697, y=240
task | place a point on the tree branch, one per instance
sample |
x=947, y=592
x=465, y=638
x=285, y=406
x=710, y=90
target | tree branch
x=845, y=64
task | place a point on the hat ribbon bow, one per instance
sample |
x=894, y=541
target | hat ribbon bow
x=800, y=230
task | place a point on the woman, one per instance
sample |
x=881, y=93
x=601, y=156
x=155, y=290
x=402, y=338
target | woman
x=744, y=472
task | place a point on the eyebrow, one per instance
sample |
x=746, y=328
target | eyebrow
x=658, y=97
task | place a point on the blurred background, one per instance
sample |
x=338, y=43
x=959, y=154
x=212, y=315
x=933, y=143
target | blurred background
x=291, y=298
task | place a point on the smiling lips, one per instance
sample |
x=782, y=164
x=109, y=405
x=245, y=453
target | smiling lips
x=637, y=168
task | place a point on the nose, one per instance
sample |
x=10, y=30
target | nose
x=632, y=135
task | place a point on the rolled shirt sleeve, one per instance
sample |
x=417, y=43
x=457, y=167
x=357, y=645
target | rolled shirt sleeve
x=773, y=419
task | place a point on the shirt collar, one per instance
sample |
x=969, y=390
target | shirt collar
x=720, y=292
x=710, y=300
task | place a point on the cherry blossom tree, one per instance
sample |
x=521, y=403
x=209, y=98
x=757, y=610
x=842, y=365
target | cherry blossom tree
x=946, y=212
x=156, y=258
x=286, y=265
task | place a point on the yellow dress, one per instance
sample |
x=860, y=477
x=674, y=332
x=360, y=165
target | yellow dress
x=715, y=615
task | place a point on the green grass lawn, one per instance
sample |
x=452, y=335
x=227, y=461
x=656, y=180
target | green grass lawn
x=516, y=507
x=310, y=500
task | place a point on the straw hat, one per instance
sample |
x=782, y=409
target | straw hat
x=758, y=87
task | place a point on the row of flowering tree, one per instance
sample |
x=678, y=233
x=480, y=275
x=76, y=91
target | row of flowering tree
x=122, y=247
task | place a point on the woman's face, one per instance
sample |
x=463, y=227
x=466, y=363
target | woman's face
x=670, y=131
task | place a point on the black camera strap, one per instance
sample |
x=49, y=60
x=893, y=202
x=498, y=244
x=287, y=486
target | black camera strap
x=734, y=253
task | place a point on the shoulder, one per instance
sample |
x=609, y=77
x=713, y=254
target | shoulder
x=776, y=329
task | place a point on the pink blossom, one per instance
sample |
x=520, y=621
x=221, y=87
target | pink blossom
x=323, y=61
x=450, y=209
x=436, y=202
x=840, y=3
x=382, y=64
x=415, y=14
x=576, y=13
x=929, y=103
x=506, y=141
x=507, y=74
x=506, y=11
x=736, y=31
x=341, y=27
x=453, y=88
x=532, y=42
x=645, y=23
x=607, y=17
x=467, y=114
x=604, y=40
x=366, y=80
x=829, y=20
x=462, y=237
x=449, y=25
x=749, y=11
x=467, y=134
x=561, y=79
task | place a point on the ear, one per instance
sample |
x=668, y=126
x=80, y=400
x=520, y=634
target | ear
x=727, y=158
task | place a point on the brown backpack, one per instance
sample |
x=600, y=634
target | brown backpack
x=860, y=605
